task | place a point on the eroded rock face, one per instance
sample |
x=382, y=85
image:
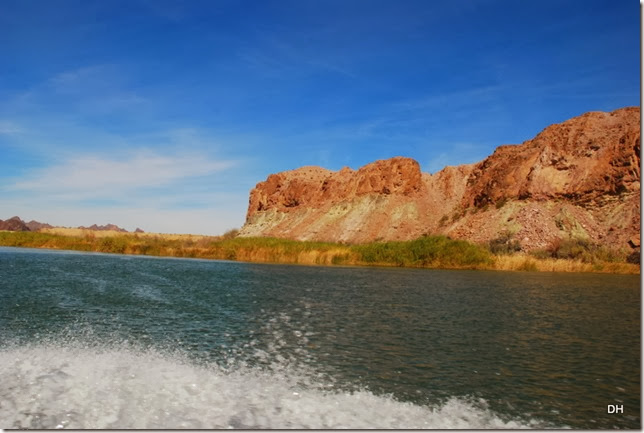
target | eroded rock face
x=579, y=178
x=582, y=159
x=347, y=205
x=316, y=187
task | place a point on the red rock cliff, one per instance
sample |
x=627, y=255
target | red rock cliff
x=317, y=187
x=582, y=159
x=579, y=178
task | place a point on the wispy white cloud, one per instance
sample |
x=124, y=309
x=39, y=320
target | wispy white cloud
x=93, y=176
x=70, y=79
x=160, y=192
x=93, y=90
x=212, y=220
x=8, y=127
x=480, y=95
x=276, y=56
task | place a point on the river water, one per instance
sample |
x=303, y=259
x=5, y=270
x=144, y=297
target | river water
x=108, y=341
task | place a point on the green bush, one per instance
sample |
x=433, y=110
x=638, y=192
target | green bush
x=115, y=245
x=432, y=251
x=576, y=249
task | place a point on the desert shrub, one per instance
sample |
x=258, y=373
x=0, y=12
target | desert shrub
x=607, y=254
x=575, y=249
x=585, y=251
x=504, y=244
x=541, y=253
x=230, y=234
x=634, y=258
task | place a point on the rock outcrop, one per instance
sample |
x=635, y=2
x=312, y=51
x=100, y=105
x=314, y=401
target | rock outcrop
x=579, y=178
x=14, y=224
x=584, y=159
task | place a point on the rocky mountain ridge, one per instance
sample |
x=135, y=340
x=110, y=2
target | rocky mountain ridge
x=112, y=227
x=14, y=224
x=17, y=224
x=576, y=179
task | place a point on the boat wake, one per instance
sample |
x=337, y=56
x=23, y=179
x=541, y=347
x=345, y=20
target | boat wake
x=46, y=386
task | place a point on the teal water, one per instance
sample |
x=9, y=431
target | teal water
x=107, y=341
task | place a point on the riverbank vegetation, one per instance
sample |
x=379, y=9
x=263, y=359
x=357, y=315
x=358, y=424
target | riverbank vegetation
x=425, y=252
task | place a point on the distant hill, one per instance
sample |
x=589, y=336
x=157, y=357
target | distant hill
x=16, y=224
x=34, y=226
x=106, y=227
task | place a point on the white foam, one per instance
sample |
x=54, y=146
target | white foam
x=46, y=387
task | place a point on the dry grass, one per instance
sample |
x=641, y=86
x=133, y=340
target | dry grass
x=310, y=257
x=63, y=231
x=429, y=252
x=524, y=262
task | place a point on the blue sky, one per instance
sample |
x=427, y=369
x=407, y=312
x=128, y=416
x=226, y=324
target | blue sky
x=164, y=114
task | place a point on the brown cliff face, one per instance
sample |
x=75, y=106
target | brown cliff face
x=347, y=205
x=579, y=178
x=582, y=159
x=317, y=187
